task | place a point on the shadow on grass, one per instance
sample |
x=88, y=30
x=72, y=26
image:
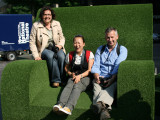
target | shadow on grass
x=132, y=107
x=88, y=115
x=53, y=116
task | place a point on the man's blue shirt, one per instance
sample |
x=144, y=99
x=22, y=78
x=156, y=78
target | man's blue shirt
x=107, y=63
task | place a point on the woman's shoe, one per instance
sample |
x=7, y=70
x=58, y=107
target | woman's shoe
x=56, y=108
x=66, y=111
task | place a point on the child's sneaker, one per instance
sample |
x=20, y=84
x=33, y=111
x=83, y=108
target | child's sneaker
x=66, y=110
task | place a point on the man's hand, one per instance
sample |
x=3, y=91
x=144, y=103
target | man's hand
x=96, y=77
x=38, y=58
x=108, y=83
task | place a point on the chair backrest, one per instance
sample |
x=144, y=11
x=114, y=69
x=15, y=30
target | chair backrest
x=134, y=23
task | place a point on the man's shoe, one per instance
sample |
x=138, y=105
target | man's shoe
x=66, y=110
x=97, y=108
x=104, y=114
x=55, y=84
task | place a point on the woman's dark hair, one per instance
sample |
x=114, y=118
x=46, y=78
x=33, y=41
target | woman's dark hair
x=47, y=8
x=79, y=36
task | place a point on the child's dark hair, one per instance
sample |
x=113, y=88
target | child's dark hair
x=46, y=8
x=79, y=36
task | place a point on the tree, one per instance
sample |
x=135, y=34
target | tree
x=32, y=6
x=27, y=6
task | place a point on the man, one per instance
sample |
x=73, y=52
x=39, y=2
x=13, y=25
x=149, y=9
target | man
x=105, y=69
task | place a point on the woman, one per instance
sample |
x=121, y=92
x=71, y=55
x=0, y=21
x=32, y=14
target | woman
x=78, y=67
x=47, y=43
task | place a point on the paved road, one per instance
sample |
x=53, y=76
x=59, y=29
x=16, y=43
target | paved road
x=156, y=58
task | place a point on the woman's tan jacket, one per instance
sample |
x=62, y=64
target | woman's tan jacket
x=39, y=37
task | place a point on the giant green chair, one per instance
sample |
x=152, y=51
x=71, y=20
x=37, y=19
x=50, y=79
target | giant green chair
x=25, y=90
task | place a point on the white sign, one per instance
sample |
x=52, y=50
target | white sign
x=23, y=32
x=6, y=43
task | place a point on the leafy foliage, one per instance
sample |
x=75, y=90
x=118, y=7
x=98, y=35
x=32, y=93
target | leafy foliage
x=18, y=9
x=31, y=6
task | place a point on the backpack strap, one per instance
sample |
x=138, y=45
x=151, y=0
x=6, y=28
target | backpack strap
x=83, y=56
x=117, y=50
x=87, y=55
x=102, y=50
x=71, y=57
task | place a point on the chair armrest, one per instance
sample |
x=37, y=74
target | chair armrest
x=17, y=83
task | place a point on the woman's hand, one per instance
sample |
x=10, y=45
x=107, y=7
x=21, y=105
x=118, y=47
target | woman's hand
x=77, y=78
x=72, y=75
x=38, y=58
x=59, y=46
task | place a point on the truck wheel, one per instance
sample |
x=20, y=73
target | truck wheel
x=11, y=56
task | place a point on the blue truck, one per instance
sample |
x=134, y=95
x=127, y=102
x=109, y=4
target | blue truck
x=14, y=35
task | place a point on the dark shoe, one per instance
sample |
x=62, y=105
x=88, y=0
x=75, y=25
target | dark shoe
x=104, y=114
x=62, y=84
x=97, y=108
x=55, y=84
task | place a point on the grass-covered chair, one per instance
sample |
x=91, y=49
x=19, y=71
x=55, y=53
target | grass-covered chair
x=25, y=90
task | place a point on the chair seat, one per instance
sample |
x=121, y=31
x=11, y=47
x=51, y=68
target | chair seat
x=41, y=105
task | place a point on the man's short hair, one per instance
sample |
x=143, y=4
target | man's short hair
x=109, y=29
